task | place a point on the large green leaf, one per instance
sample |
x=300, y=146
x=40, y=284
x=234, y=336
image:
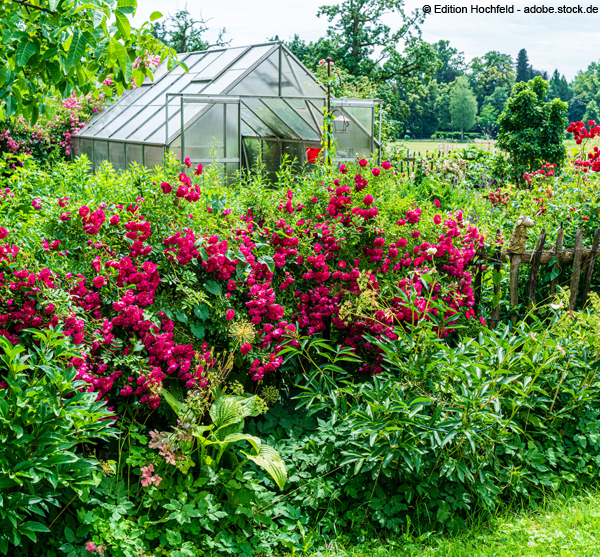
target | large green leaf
x=228, y=410
x=123, y=24
x=25, y=50
x=76, y=49
x=236, y=437
x=175, y=404
x=269, y=459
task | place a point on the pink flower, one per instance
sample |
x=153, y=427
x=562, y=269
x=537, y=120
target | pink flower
x=376, y=171
x=84, y=211
x=314, y=199
x=91, y=547
x=415, y=234
x=386, y=165
x=482, y=321
x=114, y=220
x=437, y=219
x=245, y=348
x=343, y=169
x=198, y=170
x=363, y=162
x=230, y=314
x=437, y=203
x=368, y=199
x=99, y=282
x=3, y=233
x=37, y=203
x=166, y=188
x=187, y=162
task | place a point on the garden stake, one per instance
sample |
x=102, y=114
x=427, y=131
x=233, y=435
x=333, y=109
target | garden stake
x=556, y=268
x=535, y=266
x=590, y=268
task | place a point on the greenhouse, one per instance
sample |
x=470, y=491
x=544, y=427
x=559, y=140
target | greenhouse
x=233, y=105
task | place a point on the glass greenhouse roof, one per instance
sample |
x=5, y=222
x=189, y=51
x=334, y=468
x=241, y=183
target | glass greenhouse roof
x=279, y=97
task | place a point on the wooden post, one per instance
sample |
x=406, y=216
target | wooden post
x=576, y=269
x=589, y=266
x=477, y=283
x=515, y=261
x=556, y=268
x=496, y=311
x=535, y=267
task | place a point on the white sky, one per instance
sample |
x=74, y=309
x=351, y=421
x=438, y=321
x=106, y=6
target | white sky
x=566, y=42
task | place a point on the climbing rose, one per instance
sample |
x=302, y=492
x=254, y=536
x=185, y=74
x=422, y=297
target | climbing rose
x=166, y=187
x=84, y=211
x=198, y=170
x=386, y=165
x=363, y=162
x=230, y=314
x=3, y=233
x=99, y=282
x=245, y=348
x=376, y=171
x=187, y=162
x=368, y=200
x=437, y=219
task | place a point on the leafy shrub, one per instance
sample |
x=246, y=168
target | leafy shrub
x=45, y=418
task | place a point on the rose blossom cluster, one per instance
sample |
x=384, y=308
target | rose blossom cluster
x=286, y=276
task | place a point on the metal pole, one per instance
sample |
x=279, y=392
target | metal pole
x=240, y=133
x=328, y=110
x=182, y=131
x=280, y=60
x=167, y=119
x=380, y=123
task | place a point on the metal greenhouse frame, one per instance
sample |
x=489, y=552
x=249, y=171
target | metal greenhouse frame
x=233, y=104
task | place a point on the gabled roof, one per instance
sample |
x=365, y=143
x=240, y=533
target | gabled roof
x=140, y=115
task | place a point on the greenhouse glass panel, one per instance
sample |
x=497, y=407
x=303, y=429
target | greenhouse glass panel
x=292, y=119
x=263, y=80
x=232, y=131
x=116, y=155
x=205, y=138
x=296, y=152
x=257, y=126
x=175, y=148
x=75, y=147
x=261, y=111
x=86, y=147
x=100, y=153
x=153, y=156
x=134, y=153
x=296, y=81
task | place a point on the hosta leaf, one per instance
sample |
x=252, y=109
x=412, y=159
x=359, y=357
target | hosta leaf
x=227, y=410
x=269, y=459
x=235, y=437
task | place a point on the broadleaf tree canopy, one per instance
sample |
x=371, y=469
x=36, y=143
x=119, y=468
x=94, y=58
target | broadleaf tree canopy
x=67, y=46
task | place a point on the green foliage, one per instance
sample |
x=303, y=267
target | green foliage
x=463, y=105
x=532, y=130
x=45, y=418
x=69, y=46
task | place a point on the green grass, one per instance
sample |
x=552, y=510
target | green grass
x=561, y=528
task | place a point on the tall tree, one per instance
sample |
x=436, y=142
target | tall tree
x=463, y=105
x=531, y=129
x=592, y=112
x=183, y=33
x=51, y=46
x=367, y=46
x=492, y=70
x=523, y=68
x=559, y=87
x=451, y=62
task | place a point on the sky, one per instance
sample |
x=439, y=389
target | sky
x=568, y=42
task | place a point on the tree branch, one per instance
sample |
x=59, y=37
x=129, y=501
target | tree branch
x=28, y=5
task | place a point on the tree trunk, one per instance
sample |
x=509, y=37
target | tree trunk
x=462, y=134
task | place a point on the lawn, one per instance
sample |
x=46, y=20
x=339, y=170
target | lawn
x=561, y=528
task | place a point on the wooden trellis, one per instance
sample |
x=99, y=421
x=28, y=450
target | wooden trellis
x=582, y=259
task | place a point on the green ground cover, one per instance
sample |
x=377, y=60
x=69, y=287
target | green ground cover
x=565, y=528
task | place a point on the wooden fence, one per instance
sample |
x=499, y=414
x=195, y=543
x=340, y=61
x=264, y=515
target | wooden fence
x=582, y=259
